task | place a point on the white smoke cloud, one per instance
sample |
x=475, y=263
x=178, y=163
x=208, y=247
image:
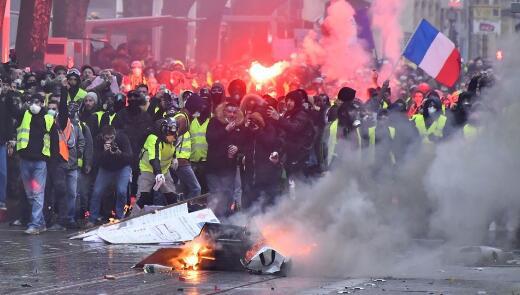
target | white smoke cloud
x=351, y=222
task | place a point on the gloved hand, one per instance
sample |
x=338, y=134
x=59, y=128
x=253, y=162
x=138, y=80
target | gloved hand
x=159, y=181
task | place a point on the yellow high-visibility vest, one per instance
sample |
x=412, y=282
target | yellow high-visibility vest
x=470, y=132
x=155, y=149
x=99, y=116
x=23, y=131
x=435, y=129
x=199, y=145
x=79, y=96
x=333, y=140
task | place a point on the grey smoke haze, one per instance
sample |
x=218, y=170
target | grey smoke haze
x=358, y=224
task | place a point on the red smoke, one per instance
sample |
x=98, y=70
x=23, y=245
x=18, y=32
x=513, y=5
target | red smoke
x=385, y=19
x=339, y=52
x=341, y=55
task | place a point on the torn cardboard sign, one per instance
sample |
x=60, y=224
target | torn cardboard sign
x=168, y=225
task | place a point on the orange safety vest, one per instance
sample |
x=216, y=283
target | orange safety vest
x=64, y=137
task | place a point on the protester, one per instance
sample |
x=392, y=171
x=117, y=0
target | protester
x=113, y=159
x=224, y=137
x=155, y=161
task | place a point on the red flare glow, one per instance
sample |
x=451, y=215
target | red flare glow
x=261, y=74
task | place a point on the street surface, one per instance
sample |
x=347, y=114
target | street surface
x=52, y=264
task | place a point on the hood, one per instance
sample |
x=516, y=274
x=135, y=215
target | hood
x=253, y=103
x=219, y=113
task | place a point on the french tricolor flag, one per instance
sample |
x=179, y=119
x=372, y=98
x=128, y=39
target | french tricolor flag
x=435, y=53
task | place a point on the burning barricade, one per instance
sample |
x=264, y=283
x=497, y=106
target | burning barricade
x=223, y=248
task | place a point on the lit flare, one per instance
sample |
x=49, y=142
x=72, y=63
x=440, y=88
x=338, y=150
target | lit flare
x=261, y=74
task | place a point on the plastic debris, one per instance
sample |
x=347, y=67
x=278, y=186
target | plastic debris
x=157, y=268
x=267, y=261
x=379, y=280
x=110, y=277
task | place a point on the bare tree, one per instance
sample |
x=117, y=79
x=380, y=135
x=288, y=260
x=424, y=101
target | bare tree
x=33, y=32
x=69, y=18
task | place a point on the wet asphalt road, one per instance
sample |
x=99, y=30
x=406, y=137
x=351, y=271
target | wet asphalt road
x=52, y=264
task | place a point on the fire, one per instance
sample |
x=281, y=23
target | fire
x=285, y=239
x=262, y=74
x=193, y=254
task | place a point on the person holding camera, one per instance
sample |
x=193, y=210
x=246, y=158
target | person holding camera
x=113, y=157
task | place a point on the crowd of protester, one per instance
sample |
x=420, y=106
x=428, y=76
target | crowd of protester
x=79, y=146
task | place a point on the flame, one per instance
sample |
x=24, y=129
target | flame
x=192, y=255
x=262, y=74
x=284, y=239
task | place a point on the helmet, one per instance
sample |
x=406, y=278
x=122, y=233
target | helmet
x=186, y=94
x=168, y=126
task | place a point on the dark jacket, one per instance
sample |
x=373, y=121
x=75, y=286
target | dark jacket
x=113, y=161
x=298, y=133
x=137, y=126
x=88, y=153
x=219, y=140
x=257, y=147
x=7, y=115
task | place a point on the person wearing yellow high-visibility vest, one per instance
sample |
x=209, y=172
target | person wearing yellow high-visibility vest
x=192, y=110
x=346, y=127
x=473, y=128
x=33, y=145
x=74, y=92
x=156, y=158
x=64, y=167
x=199, y=146
x=431, y=124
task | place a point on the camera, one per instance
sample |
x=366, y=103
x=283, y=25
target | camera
x=113, y=148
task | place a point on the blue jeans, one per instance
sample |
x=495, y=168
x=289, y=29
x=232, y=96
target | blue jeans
x=3, y=172
x=104, y=179
x=65, y=184
x=221, y=188
x=34, y=175
x=72, y=193
x=188, y=179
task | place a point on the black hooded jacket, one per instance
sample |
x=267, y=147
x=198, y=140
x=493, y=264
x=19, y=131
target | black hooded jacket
x=297, y=128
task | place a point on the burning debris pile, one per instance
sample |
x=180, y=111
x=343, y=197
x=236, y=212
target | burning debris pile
x=222, y=248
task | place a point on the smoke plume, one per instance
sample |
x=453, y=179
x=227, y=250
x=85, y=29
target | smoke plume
x=339, y=53
x=386, y=19
x=355, y=221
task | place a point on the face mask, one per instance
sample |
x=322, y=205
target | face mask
x=51, y=113
x=196, y=115
x=432, y=110
x=35, y=109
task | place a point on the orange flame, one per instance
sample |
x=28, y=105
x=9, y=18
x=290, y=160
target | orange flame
x=192, y=255
x=285, y=239
x=262, y=74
